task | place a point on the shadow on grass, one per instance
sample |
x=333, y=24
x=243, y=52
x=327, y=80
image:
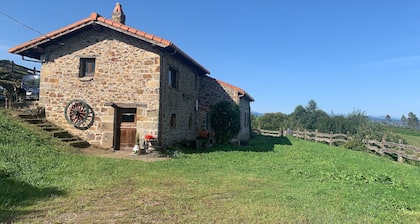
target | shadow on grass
x=257, y=143
x=15, y=194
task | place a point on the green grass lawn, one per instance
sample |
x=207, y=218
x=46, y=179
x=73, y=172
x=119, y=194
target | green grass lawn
x=272, y=180
x=411, y=136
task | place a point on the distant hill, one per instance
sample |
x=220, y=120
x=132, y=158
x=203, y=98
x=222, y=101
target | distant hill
x=383, y=119
x=256, y=113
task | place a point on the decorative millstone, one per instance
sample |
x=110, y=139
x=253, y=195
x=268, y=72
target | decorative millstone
x=79, y=114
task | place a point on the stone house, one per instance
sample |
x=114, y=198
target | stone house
x=107, y=83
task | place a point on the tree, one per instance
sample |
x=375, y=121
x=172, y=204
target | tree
x=254, y=121
x=225, y=121
x=339, y=124
x=404, y=120
x=297, y=117
x=312, y=107
x=412, y=120
x=356, y=120
x=273, y=121
x=388, y=119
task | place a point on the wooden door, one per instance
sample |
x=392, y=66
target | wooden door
x=127, y=129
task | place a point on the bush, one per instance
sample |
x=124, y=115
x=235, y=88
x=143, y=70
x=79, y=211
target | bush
x=225, y=121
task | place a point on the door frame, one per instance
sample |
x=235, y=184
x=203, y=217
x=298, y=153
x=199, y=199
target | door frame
x=118, y=121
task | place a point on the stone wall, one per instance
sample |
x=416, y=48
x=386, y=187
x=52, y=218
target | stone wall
x=131, y=72
x=212, y=92
x=179, y=102
x=245, y=109
x=127, y=71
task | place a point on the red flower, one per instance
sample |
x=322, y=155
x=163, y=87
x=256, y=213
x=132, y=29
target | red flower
x=148, y=137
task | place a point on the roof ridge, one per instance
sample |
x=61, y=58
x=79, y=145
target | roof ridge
x=97, y=18
x=240, y=90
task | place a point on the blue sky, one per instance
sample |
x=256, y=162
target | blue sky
x=346, y=55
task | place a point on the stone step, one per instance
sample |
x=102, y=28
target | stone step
x=79, y=144
x=62, y=134
x=70, y=139
x=27, y=116
x=51, y=129
x=44, y=124
x=57, y=132
x=34, y=120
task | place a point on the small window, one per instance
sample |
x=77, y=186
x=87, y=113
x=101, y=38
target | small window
x=87, y=67
x=173, y=78
x=128, y=117
x=173, y=120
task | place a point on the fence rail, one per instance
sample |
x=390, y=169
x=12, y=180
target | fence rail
x=316, y=136
x=270, y=133
x=402, y=151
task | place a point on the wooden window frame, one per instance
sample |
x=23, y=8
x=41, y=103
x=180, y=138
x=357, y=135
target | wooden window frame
x=173, y=121
x=173, y=78
x=87, y=67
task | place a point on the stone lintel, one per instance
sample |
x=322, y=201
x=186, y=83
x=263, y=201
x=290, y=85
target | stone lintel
x=126, y=105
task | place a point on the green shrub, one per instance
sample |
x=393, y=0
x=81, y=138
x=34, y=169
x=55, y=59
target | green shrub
x=225, y=121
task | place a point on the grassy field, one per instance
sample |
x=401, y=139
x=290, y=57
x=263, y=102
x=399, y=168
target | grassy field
x=272, y=180
x=412, y=137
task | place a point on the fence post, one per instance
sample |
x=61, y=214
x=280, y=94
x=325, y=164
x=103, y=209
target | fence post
x=316, y=135
x=331, y=138
x=304, y=135
x=400, y=147
x=383, y=144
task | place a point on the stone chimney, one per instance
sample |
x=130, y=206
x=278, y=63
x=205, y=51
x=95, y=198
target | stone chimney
x=118, y=14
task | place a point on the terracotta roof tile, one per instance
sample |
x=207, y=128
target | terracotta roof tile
x=108, y=21
x=239, y=90
x=132, y=30
x=140, y=33
x=99, y=18
x=124, y=27
x=96, y=18
x=230, y=86
x=94, y=15
x=148, y=36
x=157, y=39
x=165, y=42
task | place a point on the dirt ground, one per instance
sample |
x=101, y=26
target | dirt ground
x=121, y=154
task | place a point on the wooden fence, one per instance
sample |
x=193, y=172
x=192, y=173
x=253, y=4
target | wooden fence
x=316, y=136
x=400, y=150
x=270, y=133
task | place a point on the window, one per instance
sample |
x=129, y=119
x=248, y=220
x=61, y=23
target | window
x=173, y=78
x=173, y=121
x=87, y=67
x=128, y=117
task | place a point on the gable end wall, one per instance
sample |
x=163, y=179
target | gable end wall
x=127, y=71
